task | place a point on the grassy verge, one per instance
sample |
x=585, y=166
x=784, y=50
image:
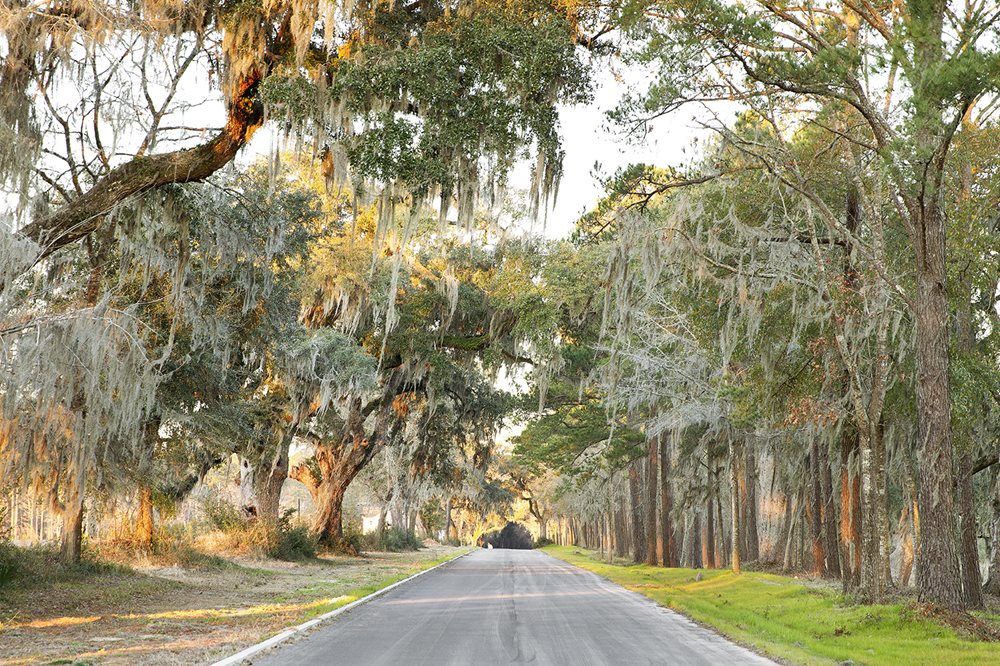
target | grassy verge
x=190, y=612
x=800, y=621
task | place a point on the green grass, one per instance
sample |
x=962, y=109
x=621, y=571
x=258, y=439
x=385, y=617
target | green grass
x=793, y=620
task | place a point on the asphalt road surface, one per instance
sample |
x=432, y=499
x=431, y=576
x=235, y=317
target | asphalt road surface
x=509, y=606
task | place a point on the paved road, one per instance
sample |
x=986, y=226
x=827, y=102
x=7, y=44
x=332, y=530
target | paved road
x=510, y=606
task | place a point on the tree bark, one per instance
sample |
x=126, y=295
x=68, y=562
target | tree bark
x=72, y=518
x=144, y=518
x=708, y=538
x=971, y=578
x=652, y=486
x=829, y=514
x=750, y=527
x=938, y=577
x=850, y=511
x=621, y=533
x=734, y=489
x=992, y=585
x=666, y=505
x=638, y=532
x=872, y=581
x=693, y=539
x=816, y=511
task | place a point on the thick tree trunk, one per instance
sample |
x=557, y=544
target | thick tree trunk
x=938, y=577
x=638, y=531
x=652, y=485
x=971, y=578
x=72, y=518
x=666, y=505
x=143, y=533
x=328, y=523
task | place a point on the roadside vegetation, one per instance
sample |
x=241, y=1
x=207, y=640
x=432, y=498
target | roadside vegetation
x=182, y=613
x=801, y=620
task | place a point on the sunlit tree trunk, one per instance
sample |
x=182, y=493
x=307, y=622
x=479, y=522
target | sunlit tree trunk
x=143, y=533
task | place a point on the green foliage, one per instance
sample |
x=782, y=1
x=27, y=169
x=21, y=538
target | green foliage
x=391, y=540
x=222, y=515
x=9, y=562
x=293, y=543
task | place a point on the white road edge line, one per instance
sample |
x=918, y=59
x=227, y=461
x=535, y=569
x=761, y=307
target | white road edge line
x=239, y=657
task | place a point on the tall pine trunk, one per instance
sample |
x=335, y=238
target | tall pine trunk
x=750, y=527
x=971, y=578
x=638, y=532
x=652, y=486
x=734, y=489
x=816, y=511
x=938, y=577
x=666, y=505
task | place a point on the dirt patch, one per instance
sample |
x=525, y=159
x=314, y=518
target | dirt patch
x=170, y=615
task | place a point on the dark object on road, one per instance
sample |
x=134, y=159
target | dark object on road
x=513, y=535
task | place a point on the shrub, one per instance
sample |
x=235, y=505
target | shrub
x=542, y=543
x=355, y=540
x=222, y=515
x=9, y=562
x=391, y=540
x=293, y=543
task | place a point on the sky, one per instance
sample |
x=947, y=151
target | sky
x=589, y=138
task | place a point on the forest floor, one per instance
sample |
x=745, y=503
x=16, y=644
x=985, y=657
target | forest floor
x=111, y=614
x=803, y=621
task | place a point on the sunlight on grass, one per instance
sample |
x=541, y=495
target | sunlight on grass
x=793, y=620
